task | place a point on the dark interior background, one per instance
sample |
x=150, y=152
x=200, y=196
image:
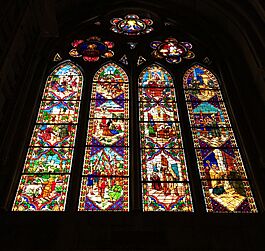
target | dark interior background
x=230, y=33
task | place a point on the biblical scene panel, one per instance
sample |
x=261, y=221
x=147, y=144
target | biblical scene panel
x=205, y=137
x=174, y=197
x=53, y=135
x=220, y=163
x=203, y=95
x=224, y=196
x=48, y=160
x=110, y=73
x=112, y=109
x=157, y=94
x=158, y=111
x=208, y=114
x=110, y=90
x=155, y=76
x=165, y=165
x=104, y=194
x=160, y=134
x=41, y=192
x=107, y=132
x=198, y=77
x=106, y=161
x=64, y=87
x=55, y=111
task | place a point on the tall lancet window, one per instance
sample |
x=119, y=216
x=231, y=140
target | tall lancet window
x=224, y=181
x=44, y=182
x=165, y=180
x=106, y=165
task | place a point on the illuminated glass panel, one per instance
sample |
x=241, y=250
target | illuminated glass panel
x=44, y=182
x=106, y=166
x=131, y=25
x=92, y=49
x=165, y=180
x=172, y=50
x=224, y=180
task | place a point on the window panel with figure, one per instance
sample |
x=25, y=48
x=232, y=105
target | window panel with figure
x=106, y=164
x=224, y=181
x=44, y=181
x=164, y=173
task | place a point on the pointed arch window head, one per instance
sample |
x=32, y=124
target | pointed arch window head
x=223, y=176
x=44, y=182
x=165, y=180
x=106, y=165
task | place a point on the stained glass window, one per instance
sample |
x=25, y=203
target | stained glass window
x=44, y=182
x=92, y=49
x=131, y=25
x=106, y=165
x=172, y=50
x=224, y=181
x=165, y=183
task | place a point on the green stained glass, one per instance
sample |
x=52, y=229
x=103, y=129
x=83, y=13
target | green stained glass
x=48, y=160
x=224, y=181
x=43, y=185
x=164, y=173
x=106, y=165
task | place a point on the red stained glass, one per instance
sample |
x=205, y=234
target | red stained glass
x=92, y=49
